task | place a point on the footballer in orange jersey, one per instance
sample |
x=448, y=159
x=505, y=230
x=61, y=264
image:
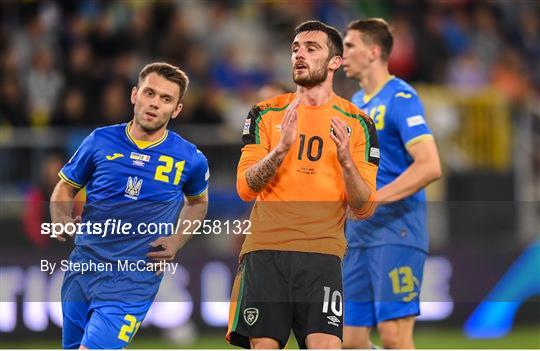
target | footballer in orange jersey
x=309, y=157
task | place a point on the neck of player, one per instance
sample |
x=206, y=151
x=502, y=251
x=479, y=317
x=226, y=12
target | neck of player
x=374, y=78
x=138, y=133
x=317, y=95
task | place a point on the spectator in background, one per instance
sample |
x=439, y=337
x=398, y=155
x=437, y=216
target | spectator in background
x=207, y=109
x=510, y=77
x=456, y=32
x=103, y=42
x=36, y=209
x=527, y=40
x=29, y=39
x=72, y=109
x=114, y=105
x=486, y=39
x=432, y=54
x=466, y=72
x=44, y=84
x=402, y=61
x=12, y=106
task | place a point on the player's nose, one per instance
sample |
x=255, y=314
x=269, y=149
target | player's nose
x=154, y=102
x=299, y=55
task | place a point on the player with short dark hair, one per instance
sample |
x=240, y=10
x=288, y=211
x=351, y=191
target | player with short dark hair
x=308, y=157
x=382, y=271
x=137, y=173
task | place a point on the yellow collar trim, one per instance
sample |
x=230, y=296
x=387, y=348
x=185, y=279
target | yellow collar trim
x=378, y=89
x=143, y=144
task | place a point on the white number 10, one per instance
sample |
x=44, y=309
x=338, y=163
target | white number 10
x=337, y=307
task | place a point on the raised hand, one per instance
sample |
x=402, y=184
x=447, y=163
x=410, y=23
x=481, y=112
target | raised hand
x=340, y=136
x=289, y=126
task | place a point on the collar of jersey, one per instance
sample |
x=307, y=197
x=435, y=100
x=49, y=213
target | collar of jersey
x=329, y=103
x=142, y=144
x=378, y=89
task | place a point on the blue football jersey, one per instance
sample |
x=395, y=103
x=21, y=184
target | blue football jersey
x=129, y=183
x=399, y=119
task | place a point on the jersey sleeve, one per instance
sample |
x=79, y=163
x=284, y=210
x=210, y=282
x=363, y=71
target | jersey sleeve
x=80, y=167
x=256, y=147
x=366, y=155
x=408, y=116
x=197, y=183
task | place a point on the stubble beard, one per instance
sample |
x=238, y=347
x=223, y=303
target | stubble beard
x=313, y=78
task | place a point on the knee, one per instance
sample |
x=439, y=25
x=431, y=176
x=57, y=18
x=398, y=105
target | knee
x=355, y=344
x=390, y=338
x=264, y=343
x=357, y=341
x=397, y=334
x=356, y=338
x=323, y=341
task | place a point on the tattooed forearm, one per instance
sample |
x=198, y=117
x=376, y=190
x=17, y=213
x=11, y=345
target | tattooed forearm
x=261, y=173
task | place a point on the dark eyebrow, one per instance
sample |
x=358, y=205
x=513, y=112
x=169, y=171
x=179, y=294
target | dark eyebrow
x=161, y=95
x=307, y=43
x=314, y=43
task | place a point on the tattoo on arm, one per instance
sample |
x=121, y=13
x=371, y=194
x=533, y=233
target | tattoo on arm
x=261, y=173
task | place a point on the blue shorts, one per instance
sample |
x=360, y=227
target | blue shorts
x=104, y=311
x=381, y=283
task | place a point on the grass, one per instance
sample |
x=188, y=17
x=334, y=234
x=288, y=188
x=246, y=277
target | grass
x=425, y=337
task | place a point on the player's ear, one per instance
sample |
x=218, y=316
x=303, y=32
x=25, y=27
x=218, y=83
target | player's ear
x=177, y=110
x=374, y=53
x=134, y=95
x=335, y=62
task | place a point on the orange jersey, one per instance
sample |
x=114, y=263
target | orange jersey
x=303, y=207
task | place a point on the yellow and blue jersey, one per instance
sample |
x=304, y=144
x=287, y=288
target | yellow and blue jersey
x=399, y=119
x=133, y=182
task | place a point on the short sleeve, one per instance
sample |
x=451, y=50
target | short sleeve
x=254, y=131
x=197, y=181
x=256, y=146
x=366, y=153
x=408, y=115
x=80, y=167
x=366, y=157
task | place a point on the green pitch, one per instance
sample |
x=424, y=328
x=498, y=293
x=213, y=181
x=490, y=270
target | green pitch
x=425, y=337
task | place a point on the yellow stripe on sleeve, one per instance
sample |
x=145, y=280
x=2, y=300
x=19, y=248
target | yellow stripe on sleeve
x=201, y=194
x=418, y=139
x=69, y=181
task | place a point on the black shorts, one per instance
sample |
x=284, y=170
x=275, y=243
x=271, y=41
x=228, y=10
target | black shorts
x=276, y=291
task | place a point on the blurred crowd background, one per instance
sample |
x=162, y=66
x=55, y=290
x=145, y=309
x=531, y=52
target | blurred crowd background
x=67, y=67
x=72, y=63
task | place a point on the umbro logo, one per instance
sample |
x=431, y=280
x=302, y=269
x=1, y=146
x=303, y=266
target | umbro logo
x=114, y=156
x=333, y=320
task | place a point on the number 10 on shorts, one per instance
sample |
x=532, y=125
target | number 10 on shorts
x=336, y=304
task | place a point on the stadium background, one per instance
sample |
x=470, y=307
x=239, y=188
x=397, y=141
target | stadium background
x=68, y=66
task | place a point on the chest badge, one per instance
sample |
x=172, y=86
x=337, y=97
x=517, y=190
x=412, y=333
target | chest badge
x=133, y=187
